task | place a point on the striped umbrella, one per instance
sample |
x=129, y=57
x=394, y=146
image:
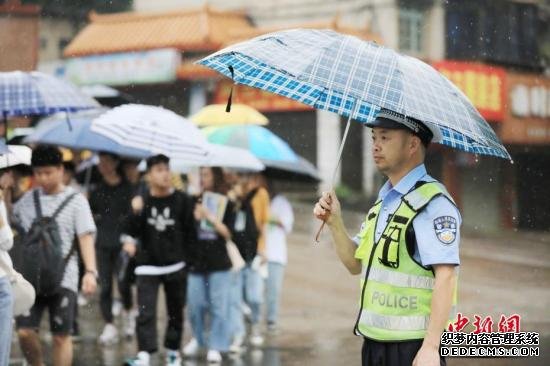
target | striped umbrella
x=153, y=129
x=53, y=130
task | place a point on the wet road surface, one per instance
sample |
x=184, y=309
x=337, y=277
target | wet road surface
x=504, y=274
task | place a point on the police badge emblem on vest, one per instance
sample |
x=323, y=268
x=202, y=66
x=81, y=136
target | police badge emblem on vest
x=445, y=229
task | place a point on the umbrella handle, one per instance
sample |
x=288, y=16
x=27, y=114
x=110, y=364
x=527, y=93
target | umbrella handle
x=319, y=232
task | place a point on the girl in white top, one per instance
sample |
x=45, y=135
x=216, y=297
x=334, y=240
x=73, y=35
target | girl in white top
x=279, y=226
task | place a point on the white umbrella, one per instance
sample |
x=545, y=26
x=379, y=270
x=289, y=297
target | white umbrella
x=220, y=156
x=154, y=129
x=17, y=155
x=225, y=157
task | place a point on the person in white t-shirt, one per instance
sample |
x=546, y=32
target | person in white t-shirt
x=279, y=226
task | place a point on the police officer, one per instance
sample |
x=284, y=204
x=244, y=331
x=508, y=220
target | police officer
x=406, y=250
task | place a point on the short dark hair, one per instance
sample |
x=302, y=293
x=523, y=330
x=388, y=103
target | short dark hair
x=157, y=159
x=44, y=155
x=111, y=155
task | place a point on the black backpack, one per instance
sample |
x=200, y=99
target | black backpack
x=42, y=261
x=245, y=232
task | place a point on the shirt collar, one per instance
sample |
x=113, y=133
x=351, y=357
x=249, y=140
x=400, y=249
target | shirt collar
x=405, y=184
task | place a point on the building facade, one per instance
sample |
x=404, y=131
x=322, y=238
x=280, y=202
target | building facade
x=493, y=59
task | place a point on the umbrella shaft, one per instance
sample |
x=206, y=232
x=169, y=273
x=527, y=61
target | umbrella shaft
x=340, y=151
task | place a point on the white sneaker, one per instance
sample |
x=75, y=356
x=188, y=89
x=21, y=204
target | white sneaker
x=142, y=359
x=256, y=339
x=192, y=348
x=247, y=312
x=116, y=308
x=173, y=358
x=129, y=322
x=109, y=336
x=82, y=300
x=213, y=356
x=237, y=345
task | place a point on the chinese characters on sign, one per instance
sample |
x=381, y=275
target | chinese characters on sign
x=483, y=341
x=528, y=120
x=484, y=85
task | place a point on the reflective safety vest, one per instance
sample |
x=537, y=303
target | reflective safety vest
x=396, y=290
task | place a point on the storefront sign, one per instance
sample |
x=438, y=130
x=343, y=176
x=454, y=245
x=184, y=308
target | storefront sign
x=528, y=115
x=145, y=67
x=484, y=85
x=256, y=98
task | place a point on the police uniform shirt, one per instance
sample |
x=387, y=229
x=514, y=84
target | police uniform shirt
x=437, y=227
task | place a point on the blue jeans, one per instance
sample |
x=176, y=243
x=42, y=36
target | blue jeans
x=253, y=291
x=274, y=284
x=6, y=320
x=209, y=293
x=236, y=319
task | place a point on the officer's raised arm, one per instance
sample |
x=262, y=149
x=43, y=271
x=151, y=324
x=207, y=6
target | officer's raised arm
x=328, y=209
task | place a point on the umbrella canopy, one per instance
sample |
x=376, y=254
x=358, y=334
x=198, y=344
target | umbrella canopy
x=17, y=155
x=225, y=157
x=54, y=130
x=273, y=151
x=153, y=129
x=240, y=114
x=25, y=93
x=355, y=78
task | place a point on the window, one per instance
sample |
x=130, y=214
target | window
x=475, y=32
x=410, y=30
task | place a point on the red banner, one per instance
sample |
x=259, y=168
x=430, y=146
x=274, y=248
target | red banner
x=484, y=85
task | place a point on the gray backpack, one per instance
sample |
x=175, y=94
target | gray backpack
x=42, y=263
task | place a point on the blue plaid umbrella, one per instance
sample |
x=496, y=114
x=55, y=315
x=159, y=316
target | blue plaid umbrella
x=26, y=93
x=356, y=79
x=36, y=93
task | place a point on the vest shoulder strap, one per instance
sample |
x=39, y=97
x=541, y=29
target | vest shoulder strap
x=419, y=198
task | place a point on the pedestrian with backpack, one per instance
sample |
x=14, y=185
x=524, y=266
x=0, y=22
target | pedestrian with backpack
x=52, y=215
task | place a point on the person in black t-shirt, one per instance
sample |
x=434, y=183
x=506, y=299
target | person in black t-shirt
x=162, y=223
x=110, y=204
